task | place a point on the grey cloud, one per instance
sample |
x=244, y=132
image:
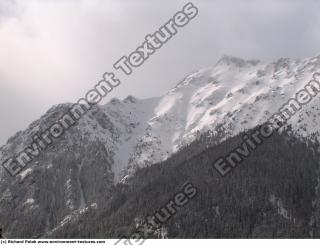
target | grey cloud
x=57, y=50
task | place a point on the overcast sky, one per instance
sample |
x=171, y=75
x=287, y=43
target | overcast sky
x=53, y=51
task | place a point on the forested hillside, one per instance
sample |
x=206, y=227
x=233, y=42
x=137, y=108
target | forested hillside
x=273, y=193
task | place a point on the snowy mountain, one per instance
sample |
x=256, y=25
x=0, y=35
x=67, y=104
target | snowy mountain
x=113, y=140
x=235, y=94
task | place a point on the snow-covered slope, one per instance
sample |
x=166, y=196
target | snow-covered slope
x=112, y=140
x=234, y=93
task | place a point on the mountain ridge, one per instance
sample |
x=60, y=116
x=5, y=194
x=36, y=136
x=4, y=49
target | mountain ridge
x=111, y=142
x=232, y=93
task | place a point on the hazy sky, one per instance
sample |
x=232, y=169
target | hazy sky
x=53, y=51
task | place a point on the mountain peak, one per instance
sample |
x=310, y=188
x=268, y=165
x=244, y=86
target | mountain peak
x=111, y=142
x=236, y=61
x=130, y=99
